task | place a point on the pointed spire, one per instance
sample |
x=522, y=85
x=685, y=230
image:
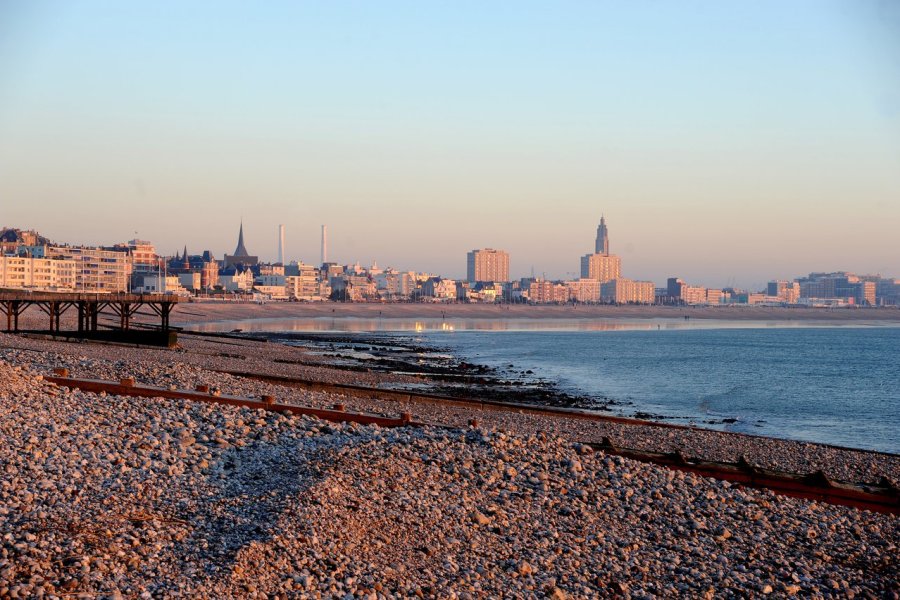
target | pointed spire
x=241, y=250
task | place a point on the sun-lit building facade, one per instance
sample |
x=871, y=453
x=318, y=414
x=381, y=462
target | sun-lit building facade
x=601, y=267
x=28, y=272
x=628, y=291
x=584, y=290
x=487, y=265
x=97, y=270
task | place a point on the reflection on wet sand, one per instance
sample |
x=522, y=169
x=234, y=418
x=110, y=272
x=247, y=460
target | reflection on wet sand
x=369, y=325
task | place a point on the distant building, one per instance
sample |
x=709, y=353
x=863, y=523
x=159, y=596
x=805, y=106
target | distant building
x=679, y=292
x=628, y=291
x=601, y=267
x=270, y=280
x=601, y=245
x=393, y=285
x=846, y=288
x=27, y=272
x=584, y=290
x=441, y=290
x=191, y=281
x=887, y=291
x=330, y=270
x=714, y=296
x=486, y=292
x=273, y=286
x=786, y=292
x=673, y=287
x=203, y=264
x=547, y=292
x=353, y=288
x=241, y=256
x=236, y=278
x=97, y=270
x=305, y=282
x=11, y=239
x=156, y=283
x=143, y=256
x=487, y=265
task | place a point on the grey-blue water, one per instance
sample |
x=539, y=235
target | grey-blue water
x=804, y=380
x=836, y=385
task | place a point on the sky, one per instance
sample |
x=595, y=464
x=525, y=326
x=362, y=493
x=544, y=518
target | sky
x=727, y=143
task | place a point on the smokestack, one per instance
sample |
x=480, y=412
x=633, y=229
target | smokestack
x=281, y=244
x=324, y=244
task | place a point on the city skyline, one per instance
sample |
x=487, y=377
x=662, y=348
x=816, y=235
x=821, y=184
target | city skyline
x=419, y=135
x=31, y=262
x=583, y=271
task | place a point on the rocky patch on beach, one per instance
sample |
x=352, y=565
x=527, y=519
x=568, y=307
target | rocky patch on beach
x=435, y=367
x=106, y=496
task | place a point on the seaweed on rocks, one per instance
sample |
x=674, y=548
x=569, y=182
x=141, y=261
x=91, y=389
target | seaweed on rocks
x=436, y=368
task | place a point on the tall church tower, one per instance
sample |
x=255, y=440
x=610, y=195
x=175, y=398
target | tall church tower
x=601, y=246
x=241, y=250
x=240, y=256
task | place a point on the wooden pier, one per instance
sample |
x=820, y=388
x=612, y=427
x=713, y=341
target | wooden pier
x=89, y=307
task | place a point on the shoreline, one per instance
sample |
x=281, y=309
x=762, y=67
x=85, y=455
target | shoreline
x=458, y=377
x=355, y=330
x=217, y=356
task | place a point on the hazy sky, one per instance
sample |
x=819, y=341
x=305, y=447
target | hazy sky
x=726, y=142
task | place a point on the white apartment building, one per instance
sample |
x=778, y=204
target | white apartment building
x=628, y=291
x=601, y=267
x=307, y=286
x=26, y=272
x=584, y=290
x=96, y=270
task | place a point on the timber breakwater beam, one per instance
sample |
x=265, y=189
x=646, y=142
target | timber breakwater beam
x=89, y=307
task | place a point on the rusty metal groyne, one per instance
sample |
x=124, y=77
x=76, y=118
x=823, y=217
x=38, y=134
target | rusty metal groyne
x=128, y=387
x=881, y=497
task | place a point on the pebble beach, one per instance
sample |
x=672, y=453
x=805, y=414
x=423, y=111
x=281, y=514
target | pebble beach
x=109, y=496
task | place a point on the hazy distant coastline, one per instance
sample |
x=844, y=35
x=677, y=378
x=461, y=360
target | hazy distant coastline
x=201, y=312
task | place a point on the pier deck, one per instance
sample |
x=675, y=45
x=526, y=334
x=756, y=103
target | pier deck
x=89, y=306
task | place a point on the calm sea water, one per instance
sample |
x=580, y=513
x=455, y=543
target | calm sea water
x=836, y=385
x=791, y=379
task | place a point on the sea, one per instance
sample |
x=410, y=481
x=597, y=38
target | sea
x=796, y=380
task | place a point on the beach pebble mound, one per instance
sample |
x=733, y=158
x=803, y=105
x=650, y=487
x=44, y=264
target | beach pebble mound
x=106, y=496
